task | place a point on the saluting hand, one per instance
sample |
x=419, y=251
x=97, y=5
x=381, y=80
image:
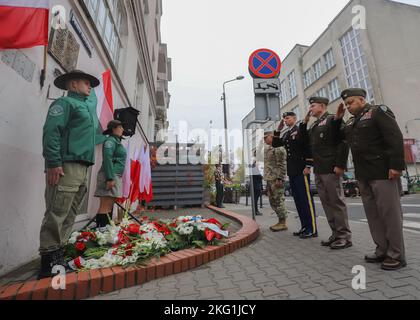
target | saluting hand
x=281, y=126
x=54, y=175
x=341, y=111
x=279, y=184
x=308, y=117
x=394, y=174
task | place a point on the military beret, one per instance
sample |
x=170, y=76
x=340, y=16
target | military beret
x=353, y=92
x=319, y=100
x=289, y=114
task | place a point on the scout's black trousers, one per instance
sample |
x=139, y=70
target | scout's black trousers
x=304, y=201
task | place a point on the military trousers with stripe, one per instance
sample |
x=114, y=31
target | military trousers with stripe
x=300, y=186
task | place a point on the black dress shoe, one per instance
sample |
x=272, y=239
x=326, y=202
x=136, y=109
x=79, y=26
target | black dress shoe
x=297, y=234
x=308, y=235
x=341, y=244
x=390, y=264
x=374, y=258
x=329, y=242
x=258, y=213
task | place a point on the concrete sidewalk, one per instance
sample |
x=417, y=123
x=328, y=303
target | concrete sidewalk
x=279, y=266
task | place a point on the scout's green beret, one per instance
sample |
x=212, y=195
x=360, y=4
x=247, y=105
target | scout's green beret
x=323, y=100
x=353, y=92
x=111, y=126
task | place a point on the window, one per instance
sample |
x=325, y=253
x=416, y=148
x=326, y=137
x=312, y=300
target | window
x=296, y=110
x=355, y=64
x=307, y=78
x=322, y=93
x=138, y=99
x=146, y=6
x=283, y=95
x=334, y=90
x=108, y=16
x=329, y=59
x=317, y=69
x=292, y=84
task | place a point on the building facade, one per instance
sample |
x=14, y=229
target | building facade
x=371, y=44
x=94, y=36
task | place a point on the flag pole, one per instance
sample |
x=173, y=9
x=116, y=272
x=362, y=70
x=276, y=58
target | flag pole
x=44, y=70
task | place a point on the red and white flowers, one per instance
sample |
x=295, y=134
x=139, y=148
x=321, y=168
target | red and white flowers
x=131, y=243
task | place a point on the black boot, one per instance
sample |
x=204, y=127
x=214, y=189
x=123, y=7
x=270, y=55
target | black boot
x=48, y=261
x=101, y=220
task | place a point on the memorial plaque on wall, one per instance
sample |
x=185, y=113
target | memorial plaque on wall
x=64, y=47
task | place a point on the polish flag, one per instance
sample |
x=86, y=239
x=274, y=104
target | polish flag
x=23, y=23
x=146, y=187
x=126, y=178
x=105, y=106
x=135, y=177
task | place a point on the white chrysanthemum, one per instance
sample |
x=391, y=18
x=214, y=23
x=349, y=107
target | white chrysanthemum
x=125, y=223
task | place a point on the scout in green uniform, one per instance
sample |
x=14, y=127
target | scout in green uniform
x=109, y=180
x=69, y=150
x=330, y=154
x=377, y=146
x=275, y=176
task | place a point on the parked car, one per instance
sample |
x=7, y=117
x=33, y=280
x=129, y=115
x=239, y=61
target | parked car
x=350, y=185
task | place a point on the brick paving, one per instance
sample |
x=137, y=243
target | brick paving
x=278, y=266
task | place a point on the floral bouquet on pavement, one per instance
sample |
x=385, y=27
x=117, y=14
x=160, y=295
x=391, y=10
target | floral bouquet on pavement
x=133, y=244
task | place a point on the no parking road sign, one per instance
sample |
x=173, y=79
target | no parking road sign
x=264, y=63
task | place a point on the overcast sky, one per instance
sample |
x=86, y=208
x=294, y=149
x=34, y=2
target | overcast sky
x=210, y=42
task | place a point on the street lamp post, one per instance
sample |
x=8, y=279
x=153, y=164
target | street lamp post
x=227, y=161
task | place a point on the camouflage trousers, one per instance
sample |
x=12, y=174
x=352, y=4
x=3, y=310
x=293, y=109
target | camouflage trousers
x=63, y=203
x=277, y=200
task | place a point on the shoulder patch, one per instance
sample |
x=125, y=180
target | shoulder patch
x=56, y=111
x=109, y=144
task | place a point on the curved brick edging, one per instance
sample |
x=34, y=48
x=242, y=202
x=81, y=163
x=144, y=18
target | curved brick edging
x=95, y=282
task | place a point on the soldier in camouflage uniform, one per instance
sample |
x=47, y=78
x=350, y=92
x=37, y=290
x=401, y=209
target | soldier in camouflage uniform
x=274, y=175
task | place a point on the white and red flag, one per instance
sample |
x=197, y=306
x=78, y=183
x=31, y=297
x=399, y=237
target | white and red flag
x=23, y=23
x=146, y=187
x=105, y=106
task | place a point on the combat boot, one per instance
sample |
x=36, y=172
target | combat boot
x=48, y=261
x=281, y=226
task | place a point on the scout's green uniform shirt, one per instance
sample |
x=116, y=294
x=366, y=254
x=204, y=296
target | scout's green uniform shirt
x=114, y=157
x=69, y=131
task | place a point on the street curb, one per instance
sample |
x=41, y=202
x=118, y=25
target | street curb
x=95, y=282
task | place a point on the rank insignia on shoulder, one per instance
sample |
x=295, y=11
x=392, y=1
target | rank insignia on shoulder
x=384, y=108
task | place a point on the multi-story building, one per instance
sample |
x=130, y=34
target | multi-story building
x=97, y=35
x=370, y=44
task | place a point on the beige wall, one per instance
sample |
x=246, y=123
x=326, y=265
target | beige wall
x=24, y=107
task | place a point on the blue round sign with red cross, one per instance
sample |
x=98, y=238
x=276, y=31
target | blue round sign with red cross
x=264, y=63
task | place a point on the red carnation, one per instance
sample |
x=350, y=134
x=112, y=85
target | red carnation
x=210, y=234
x=80, y=246
x=133, y=228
